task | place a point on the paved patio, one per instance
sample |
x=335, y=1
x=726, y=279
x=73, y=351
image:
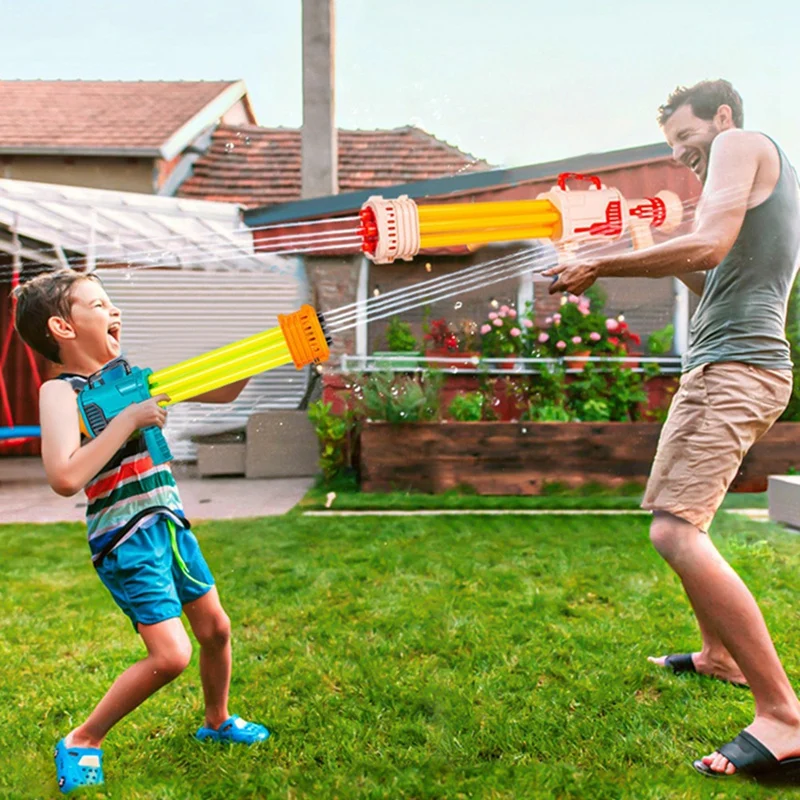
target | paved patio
x=25, y=495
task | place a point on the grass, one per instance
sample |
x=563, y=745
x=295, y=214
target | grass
x=454, y=657
x=591, y=496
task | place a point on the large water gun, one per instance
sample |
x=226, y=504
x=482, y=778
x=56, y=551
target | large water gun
x=399, y=228
x=300, y=338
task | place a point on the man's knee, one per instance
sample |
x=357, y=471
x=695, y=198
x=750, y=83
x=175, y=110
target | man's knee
x=670, y=534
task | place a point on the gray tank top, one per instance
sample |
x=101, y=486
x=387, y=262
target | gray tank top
x=742, y=311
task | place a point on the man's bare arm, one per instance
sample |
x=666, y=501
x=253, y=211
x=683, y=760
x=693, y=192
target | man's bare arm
x=696, y=281
x=732, y=172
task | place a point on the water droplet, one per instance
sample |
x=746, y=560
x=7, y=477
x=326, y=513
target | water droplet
x=493, y=303
x=247, y=140
x=128, y=275
x=454, y=369
x=229, y=147
x=524, y=430
x=428, y=267
x=458, y=305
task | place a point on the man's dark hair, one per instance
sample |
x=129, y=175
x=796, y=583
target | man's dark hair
x=45, y=296
x=704, y=98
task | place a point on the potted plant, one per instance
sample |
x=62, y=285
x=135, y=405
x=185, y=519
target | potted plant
x=399, y=340
x=501, y=336
x=442, y=344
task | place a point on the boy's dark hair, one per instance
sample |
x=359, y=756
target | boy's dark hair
x=704, y=98
x=45, y=296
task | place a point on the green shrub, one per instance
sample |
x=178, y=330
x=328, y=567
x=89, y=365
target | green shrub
x=467, y=407
x=399, y=338
x=338, y=439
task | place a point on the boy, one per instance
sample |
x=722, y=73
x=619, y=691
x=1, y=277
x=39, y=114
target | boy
x=140, y=542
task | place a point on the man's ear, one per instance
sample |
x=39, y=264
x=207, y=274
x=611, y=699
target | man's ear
x=60, y=329
x=724, y=117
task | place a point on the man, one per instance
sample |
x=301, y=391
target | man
x=741, y=258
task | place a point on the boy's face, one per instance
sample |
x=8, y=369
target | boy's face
x=95, y=324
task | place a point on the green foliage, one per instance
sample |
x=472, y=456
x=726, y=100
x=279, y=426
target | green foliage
x=792, y=412
x=501, y=333
x=467, y=407
x=398, y=399
x=659, y=343
x=399, y=338
x=338, y=437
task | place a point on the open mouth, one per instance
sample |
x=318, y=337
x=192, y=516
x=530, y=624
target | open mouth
x=114, y=332
x=693, y=162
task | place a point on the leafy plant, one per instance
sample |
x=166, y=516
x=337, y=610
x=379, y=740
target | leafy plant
x=338, y=437
x=398, y=399
x=467, y=407
x=399, y=338
x=441, y=336
x=659, y=343
x=548, y=412
x=501, y=333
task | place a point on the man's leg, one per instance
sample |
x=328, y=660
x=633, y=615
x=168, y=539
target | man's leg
x=729, y=610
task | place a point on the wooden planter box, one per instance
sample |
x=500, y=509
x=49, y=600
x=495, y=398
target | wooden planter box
x=519, y=458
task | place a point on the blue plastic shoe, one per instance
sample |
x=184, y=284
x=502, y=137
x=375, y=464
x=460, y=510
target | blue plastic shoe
x=234, y=730
x=78, y=766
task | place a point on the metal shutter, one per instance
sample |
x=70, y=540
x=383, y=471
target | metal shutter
x=171, y=315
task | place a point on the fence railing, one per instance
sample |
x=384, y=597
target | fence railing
x=509, y=365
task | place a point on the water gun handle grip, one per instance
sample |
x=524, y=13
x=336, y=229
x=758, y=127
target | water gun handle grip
x=156, y=445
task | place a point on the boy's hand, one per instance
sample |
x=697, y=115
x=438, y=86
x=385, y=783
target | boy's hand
x=147, y=413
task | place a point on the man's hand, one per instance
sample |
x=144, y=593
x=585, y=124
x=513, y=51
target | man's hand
x=574, y=278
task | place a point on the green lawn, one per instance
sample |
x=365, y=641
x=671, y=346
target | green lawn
x=401, y=658
x=349, y=498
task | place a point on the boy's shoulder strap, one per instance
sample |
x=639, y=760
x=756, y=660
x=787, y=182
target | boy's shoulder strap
x=77, y=382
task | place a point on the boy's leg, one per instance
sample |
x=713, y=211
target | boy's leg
x=168, y=653
x=212, y=628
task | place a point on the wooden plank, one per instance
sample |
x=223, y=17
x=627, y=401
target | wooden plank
x=519, y=458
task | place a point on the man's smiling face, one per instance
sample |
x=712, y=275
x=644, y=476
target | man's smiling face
x=690, y=139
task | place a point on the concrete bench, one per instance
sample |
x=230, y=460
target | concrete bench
x=783, y=496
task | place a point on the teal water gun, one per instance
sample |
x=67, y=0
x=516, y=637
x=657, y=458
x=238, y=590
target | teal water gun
x=110, y=391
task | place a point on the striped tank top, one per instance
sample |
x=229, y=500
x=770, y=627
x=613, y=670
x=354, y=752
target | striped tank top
x=127, y=493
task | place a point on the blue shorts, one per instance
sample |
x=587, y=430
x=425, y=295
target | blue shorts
x=145, y=578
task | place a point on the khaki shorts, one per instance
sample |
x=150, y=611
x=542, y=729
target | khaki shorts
x=717, y=414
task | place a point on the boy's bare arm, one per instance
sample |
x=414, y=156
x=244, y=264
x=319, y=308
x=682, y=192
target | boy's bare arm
x=68, y=465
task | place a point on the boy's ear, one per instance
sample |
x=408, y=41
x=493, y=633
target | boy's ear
x=59, y=328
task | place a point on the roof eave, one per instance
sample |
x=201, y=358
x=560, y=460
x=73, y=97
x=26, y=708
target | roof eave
x=46, y=150
x=458, y=184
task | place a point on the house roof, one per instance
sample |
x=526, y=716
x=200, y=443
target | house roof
x=455, y=185
x=258, y=166
x=122, y=118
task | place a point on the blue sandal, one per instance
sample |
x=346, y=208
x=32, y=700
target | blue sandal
x=234, y=730
x=78, y=766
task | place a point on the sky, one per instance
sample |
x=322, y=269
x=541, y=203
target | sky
x=515, y=82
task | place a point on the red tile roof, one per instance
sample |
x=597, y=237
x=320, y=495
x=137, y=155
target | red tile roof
x=78, y=116
x=258, y=166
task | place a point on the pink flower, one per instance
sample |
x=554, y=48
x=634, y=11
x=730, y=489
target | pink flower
x=561, y=345
x=512, y=312
x=557, y=319
x=576, y=340
x=543, y=337
x=528, y=323
x=573, y=298
x=595, y=336
x=504, y=309
x=548, y=321
x=584, y=310
x=611, y=324
x=515, y=332
x=498, y=323
x=492, y=315
x=485, y=328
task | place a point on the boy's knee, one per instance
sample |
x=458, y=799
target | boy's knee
x=215, y=631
